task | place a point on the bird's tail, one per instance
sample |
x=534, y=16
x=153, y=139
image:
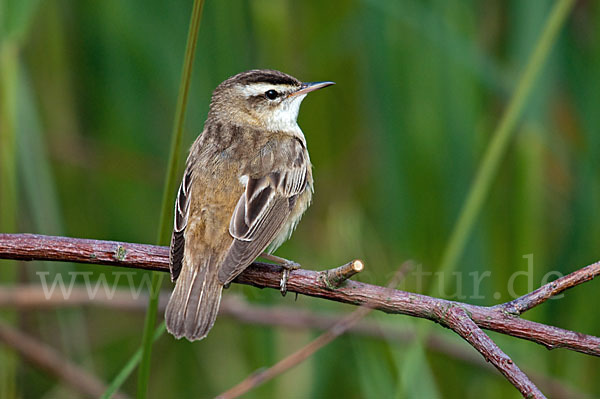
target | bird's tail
x=194, y=303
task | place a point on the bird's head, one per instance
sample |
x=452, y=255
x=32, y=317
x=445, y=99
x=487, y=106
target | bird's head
x=261, y=98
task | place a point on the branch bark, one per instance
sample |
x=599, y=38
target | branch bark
x=498, y=318
x=458, y=320
x=502, y=318
x=545, y=292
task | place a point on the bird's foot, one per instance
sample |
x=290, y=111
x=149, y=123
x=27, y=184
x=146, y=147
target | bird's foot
x=287, y=266
x=285, y=275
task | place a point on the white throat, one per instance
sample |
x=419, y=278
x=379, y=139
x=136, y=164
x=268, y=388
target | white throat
x=285, y=116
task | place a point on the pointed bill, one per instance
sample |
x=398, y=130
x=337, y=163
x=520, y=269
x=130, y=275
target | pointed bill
x=311, y=86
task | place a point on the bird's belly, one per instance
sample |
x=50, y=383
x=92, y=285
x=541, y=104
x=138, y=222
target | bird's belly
x=214, y=201
x=302, y=203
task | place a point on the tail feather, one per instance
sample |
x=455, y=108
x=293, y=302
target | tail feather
x=194, y=304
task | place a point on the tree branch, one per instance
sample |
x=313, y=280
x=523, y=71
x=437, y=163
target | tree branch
x=66, y=249
x=307, y=282
x=467, y=321
x=545, y=292
x=458, y=320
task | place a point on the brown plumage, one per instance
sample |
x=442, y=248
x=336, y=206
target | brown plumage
x=247, y=182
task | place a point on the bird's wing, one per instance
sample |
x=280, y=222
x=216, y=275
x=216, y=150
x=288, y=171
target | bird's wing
x=265, y=205
x=182, y=210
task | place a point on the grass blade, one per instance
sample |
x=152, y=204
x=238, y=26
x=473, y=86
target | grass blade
x=500, y=139
x=164, y=229
x=483, y=180
x=143, y=355
x=130, y=365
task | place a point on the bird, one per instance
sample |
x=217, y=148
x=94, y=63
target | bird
x=247, y=182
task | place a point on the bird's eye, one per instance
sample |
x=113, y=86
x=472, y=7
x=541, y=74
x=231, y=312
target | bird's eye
x=271, y=94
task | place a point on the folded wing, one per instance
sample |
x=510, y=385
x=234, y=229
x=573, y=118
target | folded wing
x=265, y=206
x=182, y=209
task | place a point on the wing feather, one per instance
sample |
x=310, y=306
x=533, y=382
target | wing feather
x=182, y=210
x=262, y=211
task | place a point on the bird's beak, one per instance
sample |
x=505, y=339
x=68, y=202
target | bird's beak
x=311, y=86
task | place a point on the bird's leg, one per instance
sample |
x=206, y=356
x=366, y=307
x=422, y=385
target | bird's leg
x=287, y=265
x=290, y=264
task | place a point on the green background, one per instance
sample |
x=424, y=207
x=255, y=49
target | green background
x=86, y=109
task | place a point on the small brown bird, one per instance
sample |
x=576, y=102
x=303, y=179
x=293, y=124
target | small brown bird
x=247, y=182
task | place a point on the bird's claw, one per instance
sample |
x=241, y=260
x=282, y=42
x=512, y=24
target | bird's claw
x=287, y=267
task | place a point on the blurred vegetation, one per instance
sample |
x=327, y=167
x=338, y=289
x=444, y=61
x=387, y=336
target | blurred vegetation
x=87, y=99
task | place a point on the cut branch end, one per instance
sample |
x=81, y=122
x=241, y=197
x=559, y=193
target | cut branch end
x=335, y=277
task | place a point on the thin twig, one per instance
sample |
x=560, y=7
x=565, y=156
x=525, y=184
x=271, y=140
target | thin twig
x=151, y=257
x=545, y=292
x=48, y=359
x=292, y=360
x=295, y=358
x=459, y=321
